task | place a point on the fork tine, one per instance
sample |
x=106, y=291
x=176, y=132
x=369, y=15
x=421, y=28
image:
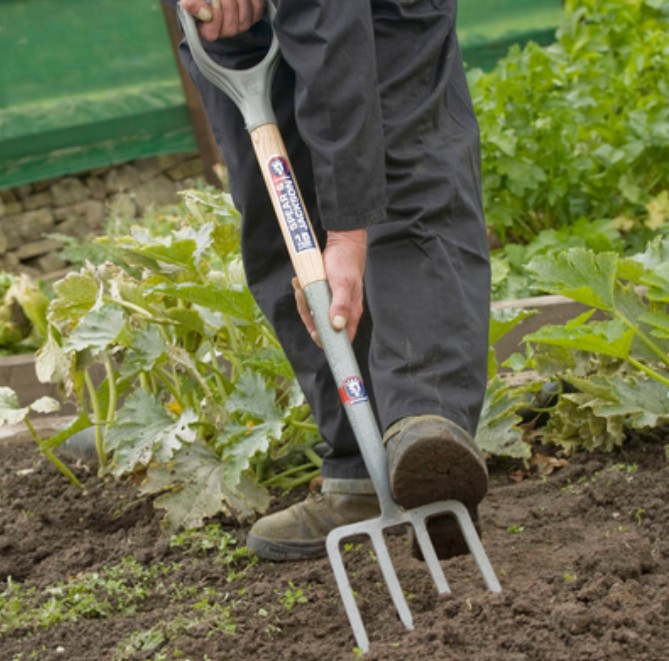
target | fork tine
x=390, y=577
x=475, y=546
x=430, y=556
x=417, y=518
x=346, y=592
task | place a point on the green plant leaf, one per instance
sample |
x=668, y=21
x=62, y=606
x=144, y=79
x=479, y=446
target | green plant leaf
x=657, y=282
x=52, y=364
x=642, y=402
x=193, y=487
x=144, y=432
x=32, y=300
x=238, y=304
x=579, y=274
x=573, y=424
x=659, y=322
x=147, y=346
x=254, y=397
x=45, y=405
x=78, y=424
x=498, y=431
x=97, y=329
x=609, y=338
x=188, y=319
x=656, y=254
x=76, y=294
x=242, y=442
x=561, y=104
x=11, y=412
x=181, y=251
x=503, y=320
x=270, y=361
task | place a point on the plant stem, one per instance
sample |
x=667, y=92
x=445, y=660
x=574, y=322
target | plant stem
x=52, y=457
x=644, y=338
x=269, y=336
x=310, y=426
x=283, y=481
x=97, y=418
x=111, y=407
x=164, y=377
x=649, y=371
x=145, y=382
x=135, y=308
x=313, y=456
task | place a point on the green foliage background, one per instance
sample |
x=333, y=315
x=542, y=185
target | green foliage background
x=578, y=129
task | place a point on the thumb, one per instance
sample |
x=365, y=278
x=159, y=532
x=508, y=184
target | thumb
x=339, y=322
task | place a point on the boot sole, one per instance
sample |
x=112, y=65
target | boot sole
x=456, y=472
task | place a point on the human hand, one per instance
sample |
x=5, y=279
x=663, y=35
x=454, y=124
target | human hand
x=224, y=18
x=344, y=258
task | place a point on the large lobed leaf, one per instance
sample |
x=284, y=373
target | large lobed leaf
x=498, y=432
x=144, y=432
x=193, y=487
x=579, y=274
x=97, y=329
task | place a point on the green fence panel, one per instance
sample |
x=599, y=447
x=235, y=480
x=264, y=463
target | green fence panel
x=86, y=84
x=487, y=28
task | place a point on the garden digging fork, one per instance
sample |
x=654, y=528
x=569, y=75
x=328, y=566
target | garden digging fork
x=250, y=90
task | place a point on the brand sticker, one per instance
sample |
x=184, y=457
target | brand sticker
x=352, y=391
x=292, y=211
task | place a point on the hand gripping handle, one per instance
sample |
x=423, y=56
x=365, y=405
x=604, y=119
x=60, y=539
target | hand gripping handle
x=249, y=88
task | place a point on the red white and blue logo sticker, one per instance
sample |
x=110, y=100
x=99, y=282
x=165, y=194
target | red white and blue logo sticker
x=292, y=211
x=352, y=391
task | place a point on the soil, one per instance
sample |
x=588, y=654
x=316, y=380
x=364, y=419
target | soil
x=582, y=555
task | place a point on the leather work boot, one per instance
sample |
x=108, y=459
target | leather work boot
x=431, y=458
x=299, y=532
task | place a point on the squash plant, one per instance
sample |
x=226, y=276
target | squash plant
x=23, y=304
x=172, y=364
x=616, y=364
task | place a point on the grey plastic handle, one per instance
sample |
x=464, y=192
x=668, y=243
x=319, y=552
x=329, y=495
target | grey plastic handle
x=250, y=89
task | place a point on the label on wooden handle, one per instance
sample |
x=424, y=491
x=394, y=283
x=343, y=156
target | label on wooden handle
x=292, y=212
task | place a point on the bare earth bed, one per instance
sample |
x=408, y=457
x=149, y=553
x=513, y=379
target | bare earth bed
x=582, y=555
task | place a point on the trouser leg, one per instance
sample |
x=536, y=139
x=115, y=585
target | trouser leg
x=427, y=281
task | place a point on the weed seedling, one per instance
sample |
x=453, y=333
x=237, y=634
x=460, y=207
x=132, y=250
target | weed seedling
x=292, y=597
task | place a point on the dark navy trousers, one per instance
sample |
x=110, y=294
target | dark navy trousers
x=372, y=102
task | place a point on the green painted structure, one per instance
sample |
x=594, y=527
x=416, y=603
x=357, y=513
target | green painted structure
x=89, y=84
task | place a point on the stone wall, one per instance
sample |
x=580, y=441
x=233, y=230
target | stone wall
x=78, y=206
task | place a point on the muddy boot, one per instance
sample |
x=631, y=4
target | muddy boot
x=431, y=458
x=299, y=532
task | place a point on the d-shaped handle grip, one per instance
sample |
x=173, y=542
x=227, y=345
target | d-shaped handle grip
x=249, y=88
